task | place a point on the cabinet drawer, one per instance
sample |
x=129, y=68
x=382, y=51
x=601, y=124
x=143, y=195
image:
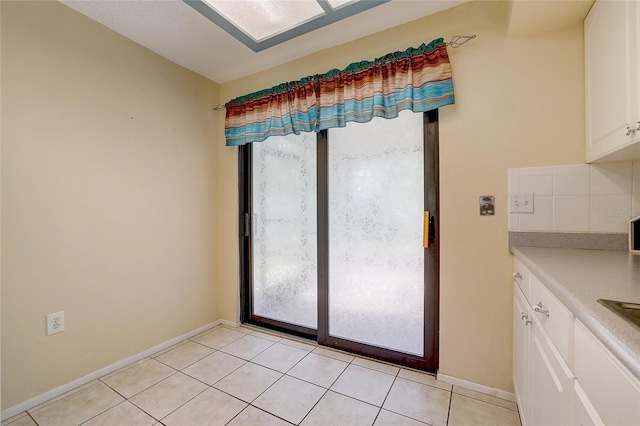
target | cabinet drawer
x=612, y=390
x=521, y=276
x=552, y=316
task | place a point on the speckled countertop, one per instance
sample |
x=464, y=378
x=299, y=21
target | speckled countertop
x=578, y=278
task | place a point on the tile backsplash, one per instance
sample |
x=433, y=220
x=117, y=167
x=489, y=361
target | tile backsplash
x=577, y=198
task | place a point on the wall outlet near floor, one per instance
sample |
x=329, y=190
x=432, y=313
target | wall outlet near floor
x=55, y=323
x=521, y=203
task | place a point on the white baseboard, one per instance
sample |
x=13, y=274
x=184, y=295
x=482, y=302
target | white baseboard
x=228, y=323
x=509, y=396
x=26, y=405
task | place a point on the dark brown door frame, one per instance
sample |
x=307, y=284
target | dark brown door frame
x=428, y=362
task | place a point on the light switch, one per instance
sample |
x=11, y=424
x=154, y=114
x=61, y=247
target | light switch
x=514, y=203
x=526, y=203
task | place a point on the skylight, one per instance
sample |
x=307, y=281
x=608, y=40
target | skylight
x=260, y=24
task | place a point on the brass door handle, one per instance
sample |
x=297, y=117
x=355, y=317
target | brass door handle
x=428, y=229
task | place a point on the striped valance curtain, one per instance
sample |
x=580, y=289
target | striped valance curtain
x=418, y=79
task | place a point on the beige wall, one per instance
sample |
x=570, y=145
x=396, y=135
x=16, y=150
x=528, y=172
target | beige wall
x=108, y=198
x=519, y=102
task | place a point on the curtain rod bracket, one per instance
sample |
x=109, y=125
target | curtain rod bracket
x=458, y=40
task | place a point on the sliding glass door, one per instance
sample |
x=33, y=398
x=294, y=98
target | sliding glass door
x=375, y=251
x=332, y=237
x=284, y=230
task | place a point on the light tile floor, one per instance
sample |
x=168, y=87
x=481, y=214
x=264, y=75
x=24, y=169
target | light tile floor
x=247, y=377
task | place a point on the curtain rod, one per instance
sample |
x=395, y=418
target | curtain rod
x=455, y=42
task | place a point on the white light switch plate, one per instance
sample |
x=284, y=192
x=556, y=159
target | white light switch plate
x=521, y=203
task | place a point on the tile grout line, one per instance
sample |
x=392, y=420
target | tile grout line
x=271, y=414
x=449, y=410
x=139, y=392
x=486, y=402
x=212, y=386
x=212, y=331
x=17, y=417
x=189, y=365
x=375, y=419
x=256, y=337
x=327, y=389
x=413, y=418
x=178, y=407
x=355, y=398
x=120, y=403
x=123, y=369
x=261, y=393
x=34, y=420
x=136, y=405
x=257, y=408
x=283, y=375
x=51, y=401
x=143, y=410
x=209, y=386
x=314, y=405
x=386, y=396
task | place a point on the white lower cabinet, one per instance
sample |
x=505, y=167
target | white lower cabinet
x=611, y=389
x=542, y=380
x=521, y=353
x=562, y=374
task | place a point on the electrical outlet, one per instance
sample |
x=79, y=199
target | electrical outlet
x=521, y=203
x=55, y=323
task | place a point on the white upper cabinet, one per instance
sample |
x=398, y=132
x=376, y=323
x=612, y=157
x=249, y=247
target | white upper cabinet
x=612, y=73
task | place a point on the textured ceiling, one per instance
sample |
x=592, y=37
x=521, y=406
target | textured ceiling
x=176, y=31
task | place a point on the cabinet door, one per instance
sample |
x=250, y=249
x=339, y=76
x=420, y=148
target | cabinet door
x=521, y=366
x=551, y=382
x=613, y=392
x=582, y=411
x=611, y=73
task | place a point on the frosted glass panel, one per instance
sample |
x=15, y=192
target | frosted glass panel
x=284, y=229
x=376, y=258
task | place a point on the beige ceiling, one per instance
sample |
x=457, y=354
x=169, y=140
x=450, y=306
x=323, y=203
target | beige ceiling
x=177, y=32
